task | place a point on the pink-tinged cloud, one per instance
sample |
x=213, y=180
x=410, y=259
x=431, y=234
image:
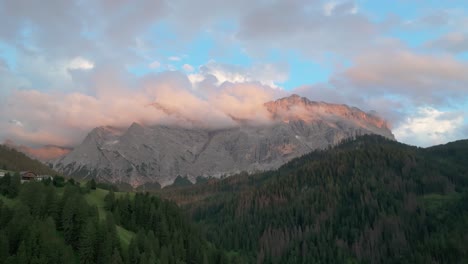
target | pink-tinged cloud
x=63, y=119
x=396, y=83
x=426, y=79
x=45, y=153
x=455, y=42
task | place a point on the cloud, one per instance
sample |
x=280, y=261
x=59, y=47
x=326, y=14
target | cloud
x=154, y=65
x=429, y=126
x=188, y=68
x=63, y=118
x=426, y=79
x=395, y=82
x=333, y=7
x=429, y=20
x=306, y=27
x=265, y=74
x=454, y=42
x=80, y=63
x=16, y=123
x=174, y=58
x=72, y=65
x=44, y=153
x=328, y=7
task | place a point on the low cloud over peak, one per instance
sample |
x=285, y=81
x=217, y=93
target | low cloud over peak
x=63, y=118
x=68, y=66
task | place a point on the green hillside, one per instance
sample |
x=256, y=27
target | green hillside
x=370, y=200
x=44, y=223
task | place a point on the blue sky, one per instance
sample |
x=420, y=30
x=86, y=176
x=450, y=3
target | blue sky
x=407, y=60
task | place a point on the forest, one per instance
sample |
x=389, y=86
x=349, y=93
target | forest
x=57, y=221
x=367, y=200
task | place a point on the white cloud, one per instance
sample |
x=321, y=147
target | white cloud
x=154, y=65
x=16, y=122
x=328, y=8
x=174, y=58
x=80, y=63
x=196, y=78
x=265, y=74
x=354, y=10
x=188, y=68
x=429, y=126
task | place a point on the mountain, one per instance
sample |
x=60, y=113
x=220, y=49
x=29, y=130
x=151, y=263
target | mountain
x=141, y=154
x=13, y=160
x=369, y=200
x=44, y=153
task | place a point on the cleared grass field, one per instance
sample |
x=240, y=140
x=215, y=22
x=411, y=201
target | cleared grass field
x=436, y=201
x=125, y=236
x=96, y=197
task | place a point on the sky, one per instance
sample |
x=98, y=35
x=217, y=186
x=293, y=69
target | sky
x=69, y=66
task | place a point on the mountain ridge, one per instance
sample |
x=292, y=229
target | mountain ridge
x=367, y=200
x=160, y=153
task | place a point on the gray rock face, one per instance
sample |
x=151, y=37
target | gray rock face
x=160, y=153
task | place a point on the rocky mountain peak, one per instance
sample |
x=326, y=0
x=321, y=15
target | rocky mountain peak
x=141, y=153
x=295, y=107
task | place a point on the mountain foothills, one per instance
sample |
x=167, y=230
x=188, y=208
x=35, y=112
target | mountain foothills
x=369, y=200
x=141, y=154
x=14, y=160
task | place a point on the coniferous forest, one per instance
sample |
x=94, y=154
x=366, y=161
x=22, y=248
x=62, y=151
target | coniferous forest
x=368, y=200
x=46, y=222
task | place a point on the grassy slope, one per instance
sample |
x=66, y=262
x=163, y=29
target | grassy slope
x=96, y=197
x=14, y=160
x=434, y=202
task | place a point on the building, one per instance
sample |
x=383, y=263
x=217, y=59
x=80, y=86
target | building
x=3, y=173
x=44, y=177
x=27, y=176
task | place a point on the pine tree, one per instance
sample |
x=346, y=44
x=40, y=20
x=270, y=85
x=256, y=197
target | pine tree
x=22, y=256
x=73, y=219
x=133, y=252
x=109, y=201
x=116, y=258
x=4, y=247
x=87, y=243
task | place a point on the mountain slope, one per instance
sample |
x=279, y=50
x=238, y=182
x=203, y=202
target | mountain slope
x=13, y=160
x=44, y=223
x=159, y=153
x=43, y=154
x=366, y=201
